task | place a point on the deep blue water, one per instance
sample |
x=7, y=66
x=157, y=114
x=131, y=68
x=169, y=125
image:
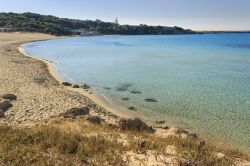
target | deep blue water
x=201, y=82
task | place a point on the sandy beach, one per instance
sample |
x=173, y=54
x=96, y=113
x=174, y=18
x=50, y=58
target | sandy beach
x=41, y=98
x=40, y=95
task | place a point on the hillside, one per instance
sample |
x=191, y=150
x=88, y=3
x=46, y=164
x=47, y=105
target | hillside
x=31, y=22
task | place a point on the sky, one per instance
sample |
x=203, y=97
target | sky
x=189, y=14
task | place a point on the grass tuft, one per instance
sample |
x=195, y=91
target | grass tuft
x=75, y=142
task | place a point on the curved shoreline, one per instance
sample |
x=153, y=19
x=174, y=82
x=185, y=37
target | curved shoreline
x=96, y=97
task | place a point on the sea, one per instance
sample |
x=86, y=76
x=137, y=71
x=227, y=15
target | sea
x=200, y=82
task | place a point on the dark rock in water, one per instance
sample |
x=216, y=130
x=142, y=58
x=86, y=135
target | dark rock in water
x=134, y=124
x=2, y=114
x=66, y=84
x=125, y=98
x=76, y=86
x=123, y=87
x=107, y=88
x=85, y=86
x=150, y=100
x=131, y=108
x=160, y=122
x=94, y=119
x=9, y=96
x=135, y=92
x=5, y=104
x=73, y=112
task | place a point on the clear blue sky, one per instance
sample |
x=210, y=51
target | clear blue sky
x=193, y=14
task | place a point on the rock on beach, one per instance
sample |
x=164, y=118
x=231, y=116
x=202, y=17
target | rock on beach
x=9, y=96
x=5, y=104
x=73, y=112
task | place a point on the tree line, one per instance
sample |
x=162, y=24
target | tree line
x=32, y=22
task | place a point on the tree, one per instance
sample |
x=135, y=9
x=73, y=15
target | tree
x=116, y=21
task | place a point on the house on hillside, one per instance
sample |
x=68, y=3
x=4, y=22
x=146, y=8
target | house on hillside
x=84, y=32
x=7, y=29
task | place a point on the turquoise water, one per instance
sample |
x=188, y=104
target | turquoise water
x=201, y=82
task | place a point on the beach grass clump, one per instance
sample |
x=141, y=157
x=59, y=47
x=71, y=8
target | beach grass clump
x=32, y=146
x=77, y=142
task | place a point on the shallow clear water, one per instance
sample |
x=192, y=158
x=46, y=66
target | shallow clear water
x=201, y=82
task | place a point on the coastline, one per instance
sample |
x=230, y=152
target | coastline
x=95, y=96
x=102, y=102
x=53, y=99
x=40, y=95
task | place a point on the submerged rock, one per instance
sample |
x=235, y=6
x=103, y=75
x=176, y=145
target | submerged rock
x=73, y=112
x=9, y=96
x=107, y=88
x=150, y=100
x=123, y=87
x=134, y=124
x=66, y=83
x=135, y=92
x=125, y=98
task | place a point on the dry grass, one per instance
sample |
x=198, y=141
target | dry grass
x=76, y=142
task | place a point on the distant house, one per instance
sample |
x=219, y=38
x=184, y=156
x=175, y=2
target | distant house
x=7, y=29
x=84, y=32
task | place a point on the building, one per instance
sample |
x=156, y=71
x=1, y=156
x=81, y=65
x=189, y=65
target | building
x=84, y=32
x=7, y=29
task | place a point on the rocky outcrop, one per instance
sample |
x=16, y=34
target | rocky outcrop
x=134, y=124
x=73, y=112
